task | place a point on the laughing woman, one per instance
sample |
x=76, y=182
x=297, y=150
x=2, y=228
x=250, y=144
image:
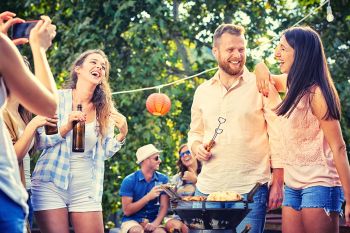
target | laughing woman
x=317, y=174
x=185, y=185
x=70, y=184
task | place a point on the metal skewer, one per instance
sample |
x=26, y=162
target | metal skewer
x=217, y=131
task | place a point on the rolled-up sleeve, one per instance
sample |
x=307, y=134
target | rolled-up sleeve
x=110, y=144
x=46, y=141
x=196, y=132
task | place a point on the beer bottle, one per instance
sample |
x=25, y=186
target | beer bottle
x=49, y=130
x=78, y=134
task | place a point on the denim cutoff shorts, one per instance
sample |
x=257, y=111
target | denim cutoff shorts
x=328, y=198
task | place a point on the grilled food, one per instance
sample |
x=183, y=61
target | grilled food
x=224, y=196
x=193, y=198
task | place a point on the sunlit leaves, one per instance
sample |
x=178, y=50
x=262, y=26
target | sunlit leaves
x=139, y=39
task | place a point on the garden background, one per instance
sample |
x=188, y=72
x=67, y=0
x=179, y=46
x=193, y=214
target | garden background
x=154, y=42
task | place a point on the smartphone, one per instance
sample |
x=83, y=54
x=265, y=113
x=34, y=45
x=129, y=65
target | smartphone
x=22, y=30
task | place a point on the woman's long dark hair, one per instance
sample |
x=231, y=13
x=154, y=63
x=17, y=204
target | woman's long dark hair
x=182, y=168
x=308, y=70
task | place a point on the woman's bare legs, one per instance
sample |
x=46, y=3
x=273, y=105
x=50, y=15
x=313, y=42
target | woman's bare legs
x=87, y=222
x=317, y=220
x=53, y=221
x=292, y=220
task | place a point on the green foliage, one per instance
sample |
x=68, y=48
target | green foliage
x=151, y=42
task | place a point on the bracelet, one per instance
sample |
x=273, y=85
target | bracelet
x=122, y=142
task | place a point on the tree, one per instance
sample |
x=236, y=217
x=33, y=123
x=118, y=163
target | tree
x=153, y=42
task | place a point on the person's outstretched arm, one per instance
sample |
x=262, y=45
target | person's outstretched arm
x=22, y=146
x=40, y=40
x=20, y=81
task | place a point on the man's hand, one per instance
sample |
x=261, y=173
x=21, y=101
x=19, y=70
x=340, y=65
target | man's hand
x=200, y=152
x=154, y=193
x=151, y=226
x=6, y=21
x=276, y=189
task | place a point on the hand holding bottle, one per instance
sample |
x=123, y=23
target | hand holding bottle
x=39, y=121
x=75, y=116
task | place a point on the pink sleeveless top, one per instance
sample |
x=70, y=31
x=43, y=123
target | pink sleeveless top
x=308, y=159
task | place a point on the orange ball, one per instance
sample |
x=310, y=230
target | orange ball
x=158, y=104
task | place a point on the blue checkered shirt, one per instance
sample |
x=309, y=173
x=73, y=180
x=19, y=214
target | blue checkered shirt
x=54, y=162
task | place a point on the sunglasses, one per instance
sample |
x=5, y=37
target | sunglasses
x=157, y=158
x=187, y=152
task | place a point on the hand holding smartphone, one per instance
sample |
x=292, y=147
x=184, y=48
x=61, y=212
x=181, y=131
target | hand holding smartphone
x=22, y=30
x=7, y=19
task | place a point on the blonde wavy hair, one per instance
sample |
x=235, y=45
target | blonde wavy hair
x=102, y=97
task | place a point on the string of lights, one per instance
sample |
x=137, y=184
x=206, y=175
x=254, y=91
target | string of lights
x=329, y=18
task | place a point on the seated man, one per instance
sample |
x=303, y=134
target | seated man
x=144, y=205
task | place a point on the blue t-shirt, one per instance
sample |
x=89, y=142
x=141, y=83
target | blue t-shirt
x=135, y=186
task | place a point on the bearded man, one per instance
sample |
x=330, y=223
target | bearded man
x=248, y=150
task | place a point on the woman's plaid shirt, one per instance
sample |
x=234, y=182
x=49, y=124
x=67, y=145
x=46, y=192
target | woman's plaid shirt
x=54, y=162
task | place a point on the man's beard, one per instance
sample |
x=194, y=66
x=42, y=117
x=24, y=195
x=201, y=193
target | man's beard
x=225, y=66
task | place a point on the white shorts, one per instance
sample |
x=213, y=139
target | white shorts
x=46, y=195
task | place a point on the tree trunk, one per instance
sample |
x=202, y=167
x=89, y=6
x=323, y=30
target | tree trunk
x=178, y=40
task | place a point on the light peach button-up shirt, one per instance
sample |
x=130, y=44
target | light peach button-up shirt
x=249, y=144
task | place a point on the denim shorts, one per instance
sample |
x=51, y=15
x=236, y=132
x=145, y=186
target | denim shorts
x=256, y=217
x=328, y=198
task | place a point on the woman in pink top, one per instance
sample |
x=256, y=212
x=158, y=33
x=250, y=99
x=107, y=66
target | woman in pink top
x=317, y=173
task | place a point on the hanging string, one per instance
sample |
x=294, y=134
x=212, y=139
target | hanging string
x=297, y=23
x=312, y=12
x=165, y=85
x=208, y=70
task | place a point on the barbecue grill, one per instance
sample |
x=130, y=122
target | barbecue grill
x=214, y=219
